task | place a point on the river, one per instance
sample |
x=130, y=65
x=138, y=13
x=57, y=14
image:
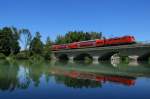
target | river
x=56, y=80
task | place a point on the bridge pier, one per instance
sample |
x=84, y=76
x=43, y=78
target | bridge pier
x=71, y=59
x=95, y=59
x=53, y=57
x=134, y=58
x=133, y=63
x=115, y=57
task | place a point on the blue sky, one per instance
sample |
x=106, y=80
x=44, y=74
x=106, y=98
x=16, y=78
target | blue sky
x=54, y=17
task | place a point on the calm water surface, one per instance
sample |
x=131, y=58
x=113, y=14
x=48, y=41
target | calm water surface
x=25, y=80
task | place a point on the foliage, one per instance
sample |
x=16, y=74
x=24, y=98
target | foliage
x=36, y=45
x=23, y=55
x=124, y=59
x=77, y=83
x=47, y=48
x=76, y=36
x=36, y=59
x=9, y=41
x=2, y=56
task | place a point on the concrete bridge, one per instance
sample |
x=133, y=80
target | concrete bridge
x=140, y=52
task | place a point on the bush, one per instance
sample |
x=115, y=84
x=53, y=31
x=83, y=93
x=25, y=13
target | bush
x=22, y=55
x=2, y=56
x=125, y=59
x=36, y=58
x=47, y=56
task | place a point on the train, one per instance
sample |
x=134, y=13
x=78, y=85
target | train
x=96, y=43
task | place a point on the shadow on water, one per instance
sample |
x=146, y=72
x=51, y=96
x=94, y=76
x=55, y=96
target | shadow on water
x=22, y=74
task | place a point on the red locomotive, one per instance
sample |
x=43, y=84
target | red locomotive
x=96, y=43
x=120, y=40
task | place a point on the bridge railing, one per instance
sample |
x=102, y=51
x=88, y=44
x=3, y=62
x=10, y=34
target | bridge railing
x=144, y=42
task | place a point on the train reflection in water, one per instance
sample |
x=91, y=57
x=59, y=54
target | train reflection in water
x=129, y=81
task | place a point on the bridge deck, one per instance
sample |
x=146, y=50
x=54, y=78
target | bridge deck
x=106, y=47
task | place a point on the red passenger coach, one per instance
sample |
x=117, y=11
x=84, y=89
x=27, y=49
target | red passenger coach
x=55, y=47
x=84, y=44
x=90, y=43
x=100, y=42
x=59, y=47
x=73, y=45
x=63, y=46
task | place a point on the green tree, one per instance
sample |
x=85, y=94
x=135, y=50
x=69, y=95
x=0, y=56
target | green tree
x=47, y=48
x=9, y=41
x=36, y=45
x=60, y=39
x=75, y=36
x=15, y=48
x=96, y=35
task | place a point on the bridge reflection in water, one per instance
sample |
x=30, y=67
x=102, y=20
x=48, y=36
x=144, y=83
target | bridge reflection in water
x=124, y=74
x=23, y=74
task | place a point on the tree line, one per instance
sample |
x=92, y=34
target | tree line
x=11, y=36
x=75, y=36
x=33, y=45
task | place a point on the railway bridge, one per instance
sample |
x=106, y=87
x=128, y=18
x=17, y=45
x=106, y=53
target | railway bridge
x=140, y=52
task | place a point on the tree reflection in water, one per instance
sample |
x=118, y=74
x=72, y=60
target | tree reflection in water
x=77, y=83
x=24, y=78
x=8, y=76
x=22, y=74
